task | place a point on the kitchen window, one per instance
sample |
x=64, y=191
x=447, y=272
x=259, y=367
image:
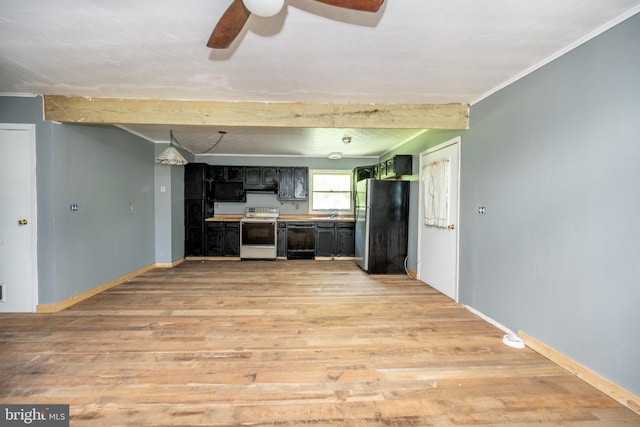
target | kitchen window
x=330, y=191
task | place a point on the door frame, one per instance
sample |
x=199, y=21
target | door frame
x=457, y=140
x=33, y=218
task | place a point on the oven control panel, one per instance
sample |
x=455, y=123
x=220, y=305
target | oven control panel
x=262, y=211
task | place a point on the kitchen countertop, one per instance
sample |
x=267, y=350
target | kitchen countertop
x=316, y=218
x=225, y=218
x=284, y=218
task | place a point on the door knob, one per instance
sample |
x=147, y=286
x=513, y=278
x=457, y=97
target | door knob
x=451, y=227
x=23, y=222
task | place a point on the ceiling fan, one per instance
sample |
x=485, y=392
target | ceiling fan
x=236, y=16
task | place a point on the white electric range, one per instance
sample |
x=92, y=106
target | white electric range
x=259, y=233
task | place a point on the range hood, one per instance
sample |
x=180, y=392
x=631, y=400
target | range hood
x=270, y=188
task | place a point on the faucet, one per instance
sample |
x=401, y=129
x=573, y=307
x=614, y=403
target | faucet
x=335, y=214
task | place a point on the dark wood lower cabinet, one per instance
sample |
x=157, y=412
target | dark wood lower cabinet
x=325, y=239
x=282, y=239
x=231, y=239
x=222, y=238
x=345, y=239
x=335, y=239
x=214, y=243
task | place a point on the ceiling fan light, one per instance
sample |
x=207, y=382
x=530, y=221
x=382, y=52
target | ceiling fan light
x=264, y=8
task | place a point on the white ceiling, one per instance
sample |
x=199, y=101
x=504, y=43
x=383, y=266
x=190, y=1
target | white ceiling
x=411, y=51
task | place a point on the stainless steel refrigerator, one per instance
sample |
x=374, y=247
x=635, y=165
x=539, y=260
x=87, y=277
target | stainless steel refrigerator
x=382, y=211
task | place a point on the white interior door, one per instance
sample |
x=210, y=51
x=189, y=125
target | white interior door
x=438, y=217
x=18, y=265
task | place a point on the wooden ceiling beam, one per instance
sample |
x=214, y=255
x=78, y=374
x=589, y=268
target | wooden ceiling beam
x=265, y=114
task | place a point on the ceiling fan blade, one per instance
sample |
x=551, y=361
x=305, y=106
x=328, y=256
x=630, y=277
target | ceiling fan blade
x=363, y=5
x=229, y=26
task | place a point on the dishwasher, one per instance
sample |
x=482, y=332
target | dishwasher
x=301, y=240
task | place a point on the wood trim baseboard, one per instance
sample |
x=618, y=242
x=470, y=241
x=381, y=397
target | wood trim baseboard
x=169, y=264
x=609, y=388
x=54, y=308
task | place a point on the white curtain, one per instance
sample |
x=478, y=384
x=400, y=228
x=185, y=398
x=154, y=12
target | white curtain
x=436, y=193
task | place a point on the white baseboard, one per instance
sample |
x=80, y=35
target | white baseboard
x=490, y=320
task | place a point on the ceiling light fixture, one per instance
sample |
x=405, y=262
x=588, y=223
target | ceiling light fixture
x=171, y=156
x=264, y=8
x=335, y=156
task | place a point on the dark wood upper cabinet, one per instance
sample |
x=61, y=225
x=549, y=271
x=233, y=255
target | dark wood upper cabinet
x=300, y=183
x=293, y=183
x=252, y=176
x=396, y=166
x=231, y=183
x=227, y=173
x=235, y=173
x=285, y=183
x=261, y=178
x=269, y=176
x=195, y=181
x=217, y=173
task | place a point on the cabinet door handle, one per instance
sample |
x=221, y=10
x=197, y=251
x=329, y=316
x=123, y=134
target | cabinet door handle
x=23, y=222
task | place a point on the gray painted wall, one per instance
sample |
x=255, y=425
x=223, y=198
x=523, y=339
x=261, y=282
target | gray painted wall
x=169, y=208
x=109, y=174
x=163, y=211
x=103, y=170
x=177, y=213
x=554, y=158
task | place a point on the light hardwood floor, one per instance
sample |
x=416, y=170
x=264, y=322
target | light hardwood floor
x=285, y=343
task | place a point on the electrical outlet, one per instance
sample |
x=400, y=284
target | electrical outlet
x=73, y=207
x=482, y=210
